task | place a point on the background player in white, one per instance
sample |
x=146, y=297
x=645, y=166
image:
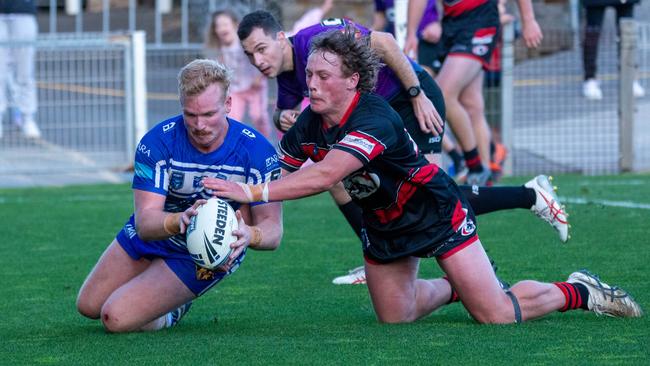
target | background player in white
x=412, y=209
x=146, y=279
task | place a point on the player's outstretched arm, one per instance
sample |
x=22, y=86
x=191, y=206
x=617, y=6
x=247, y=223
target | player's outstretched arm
x=386, y=47
x=531, y=31
x=310, y=180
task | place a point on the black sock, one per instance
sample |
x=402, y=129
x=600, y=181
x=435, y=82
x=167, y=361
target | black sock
x=456, y=158
x=473, y=160
x=576, y=294
x=489, y=199
x=353, y=214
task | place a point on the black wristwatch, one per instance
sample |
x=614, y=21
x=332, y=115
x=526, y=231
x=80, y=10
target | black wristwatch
x=414, y=91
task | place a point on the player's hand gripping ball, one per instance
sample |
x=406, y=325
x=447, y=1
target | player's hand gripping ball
x=209, y=234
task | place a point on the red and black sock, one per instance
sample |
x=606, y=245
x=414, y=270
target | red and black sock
x=473, y=160
x=576, y=294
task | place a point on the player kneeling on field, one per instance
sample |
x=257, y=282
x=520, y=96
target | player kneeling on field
x=146, y=279
x=412, y=209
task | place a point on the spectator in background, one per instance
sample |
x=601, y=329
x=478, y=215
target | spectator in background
x=595, y=11
x=17, y=26
x=470, y=29
x=249, y=88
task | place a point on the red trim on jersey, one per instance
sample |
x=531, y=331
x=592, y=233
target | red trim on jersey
x=469, y=55
x=291, y=161
x=461, y=6
x=351, y=107
x=377, y=146
x=405, y=192
x=457, y=249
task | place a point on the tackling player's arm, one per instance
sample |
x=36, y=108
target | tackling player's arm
x=310, y=180
x=153, y=223
x=388, y=49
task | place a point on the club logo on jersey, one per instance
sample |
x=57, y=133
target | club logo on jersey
x=361, y=184
x=468, y=229
x=177, y=179
x=480, y=50
x=196, y=181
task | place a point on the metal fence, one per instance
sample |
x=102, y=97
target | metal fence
x=86, y=111
x=550, y=127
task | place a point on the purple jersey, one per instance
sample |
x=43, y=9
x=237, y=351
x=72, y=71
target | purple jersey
x=388, y=8
x=292, y=85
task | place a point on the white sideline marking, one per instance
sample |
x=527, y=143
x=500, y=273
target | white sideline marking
x=110, y=197
x=626, y=204
x=627, y=182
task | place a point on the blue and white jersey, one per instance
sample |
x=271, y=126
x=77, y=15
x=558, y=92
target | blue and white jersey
x=166, y=163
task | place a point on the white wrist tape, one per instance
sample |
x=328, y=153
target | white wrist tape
x=265, y=192
x=247, y=191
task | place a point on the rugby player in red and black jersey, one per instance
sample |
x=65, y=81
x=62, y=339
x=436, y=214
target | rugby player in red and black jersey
x=411, y=209
x=470, y=30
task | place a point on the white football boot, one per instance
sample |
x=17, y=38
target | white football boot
x=605, y=299
x=175, y=316
x=591, y=90
x=547, y=206
x=356, y=276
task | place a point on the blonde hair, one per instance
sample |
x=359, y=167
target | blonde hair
x=198, y=75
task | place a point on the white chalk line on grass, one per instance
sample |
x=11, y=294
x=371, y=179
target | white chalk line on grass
x=611, y=203
x=616, y=182
x=109, y=197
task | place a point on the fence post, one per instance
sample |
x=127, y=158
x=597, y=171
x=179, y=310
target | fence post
x=627, y=65
x=507, y=69
x=139, y=44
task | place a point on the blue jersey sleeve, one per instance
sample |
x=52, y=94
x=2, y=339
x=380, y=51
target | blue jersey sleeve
x=151, y=161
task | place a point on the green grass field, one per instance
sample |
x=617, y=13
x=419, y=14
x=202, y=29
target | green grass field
x=281, y=308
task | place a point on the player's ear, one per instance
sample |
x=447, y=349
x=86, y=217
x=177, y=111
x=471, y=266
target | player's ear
x=281, y=36
x=353, y=81
x=228, y=104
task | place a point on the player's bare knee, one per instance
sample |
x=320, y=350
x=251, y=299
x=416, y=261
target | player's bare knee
x=88, y=308
x=112, y=321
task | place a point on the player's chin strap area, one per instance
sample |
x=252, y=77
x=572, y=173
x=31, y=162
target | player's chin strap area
x=515, y=304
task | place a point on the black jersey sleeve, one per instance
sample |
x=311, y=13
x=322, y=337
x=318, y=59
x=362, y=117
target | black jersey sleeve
x=373, y=128
x=292, y=154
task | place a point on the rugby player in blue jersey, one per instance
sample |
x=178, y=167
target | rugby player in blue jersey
x=411, y=208
x=277, y=55
x=146, y=279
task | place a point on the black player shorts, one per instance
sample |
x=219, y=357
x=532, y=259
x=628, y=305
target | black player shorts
x=472, y=34
x=430, y=55
x=401, y=103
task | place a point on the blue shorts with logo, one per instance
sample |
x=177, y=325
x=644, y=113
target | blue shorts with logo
x=197, y=279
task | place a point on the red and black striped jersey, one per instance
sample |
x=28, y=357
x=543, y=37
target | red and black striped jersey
x=401, y=194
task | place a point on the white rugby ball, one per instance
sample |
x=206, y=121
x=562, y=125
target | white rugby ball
x=209, y=234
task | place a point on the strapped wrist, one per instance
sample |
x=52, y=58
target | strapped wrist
x=172, y=223
x=256, y=236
